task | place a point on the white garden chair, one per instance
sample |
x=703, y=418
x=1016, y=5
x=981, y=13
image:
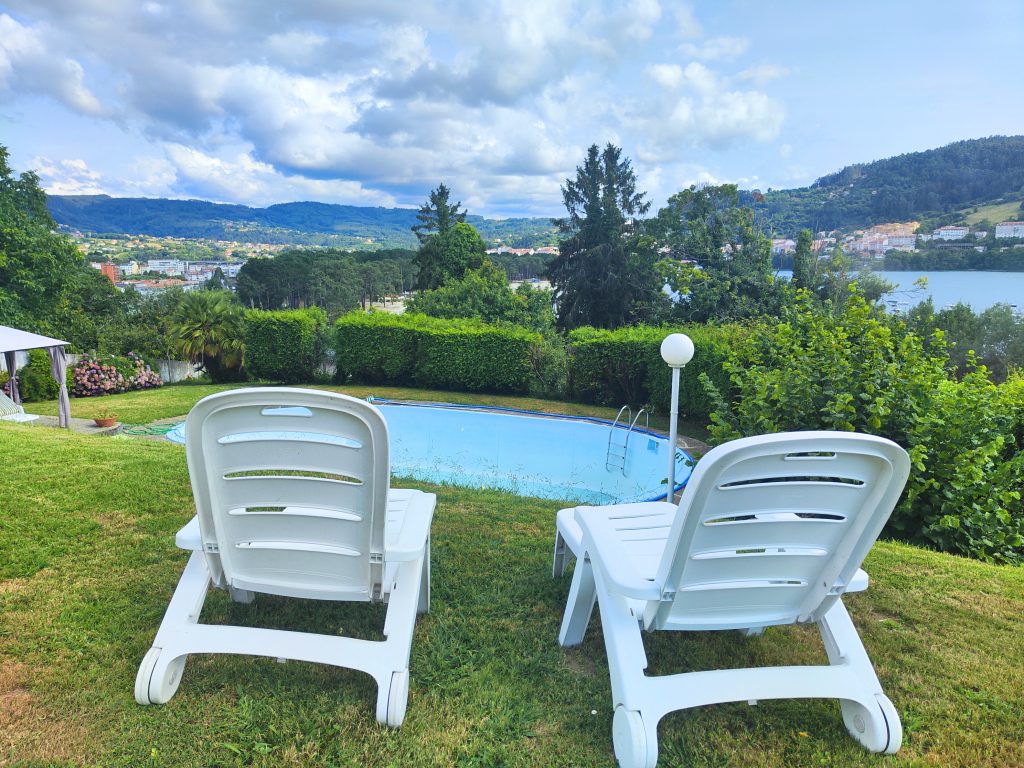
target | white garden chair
x=292, y=498
x=770, y=530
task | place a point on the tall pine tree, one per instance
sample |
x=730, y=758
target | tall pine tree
x=604, y=273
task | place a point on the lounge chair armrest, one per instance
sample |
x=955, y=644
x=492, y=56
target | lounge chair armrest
x=605, y=551
x=411, y=538
x=189, y=537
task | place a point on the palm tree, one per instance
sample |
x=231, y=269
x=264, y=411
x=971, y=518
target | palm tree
x=208, y=328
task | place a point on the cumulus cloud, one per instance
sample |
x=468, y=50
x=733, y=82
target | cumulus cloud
x=27, y=66
x=760, y=74
x=717, y=48
x=370, y=101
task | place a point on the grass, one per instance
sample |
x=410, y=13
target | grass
x=994, y=212
x=145, y=406
x=89, y=564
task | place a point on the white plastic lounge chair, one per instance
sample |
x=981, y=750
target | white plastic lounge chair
x=770, y=530
x=11, y=411
x=291, y=491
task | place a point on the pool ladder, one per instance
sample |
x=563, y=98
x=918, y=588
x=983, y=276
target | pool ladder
x=615, y=458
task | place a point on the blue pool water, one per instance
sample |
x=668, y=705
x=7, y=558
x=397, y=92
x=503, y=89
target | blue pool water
x=527, y=454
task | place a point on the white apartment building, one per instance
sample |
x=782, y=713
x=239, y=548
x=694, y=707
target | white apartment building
x=1010, y=229
x=901, y=241
x=166, y=266
x=951, y=233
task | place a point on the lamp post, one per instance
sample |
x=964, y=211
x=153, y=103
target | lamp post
x=677, y=351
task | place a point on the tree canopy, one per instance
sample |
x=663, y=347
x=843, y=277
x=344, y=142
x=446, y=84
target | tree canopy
x=436, y=216
x=449, y=254
x=720, y=262
x=604, y=273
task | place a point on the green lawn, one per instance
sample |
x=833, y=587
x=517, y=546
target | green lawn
x=88, y=565
x=994, y=212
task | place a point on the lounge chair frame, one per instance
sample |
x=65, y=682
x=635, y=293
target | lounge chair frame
x=770, y=530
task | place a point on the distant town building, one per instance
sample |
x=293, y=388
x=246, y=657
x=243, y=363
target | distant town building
x=166, y=266
x=951, y=233
x=901, y=242
x=109, y=271
x=1010, y=229
x=784, y=245
x=131, y=268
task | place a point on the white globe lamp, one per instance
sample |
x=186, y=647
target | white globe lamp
x=677, y=351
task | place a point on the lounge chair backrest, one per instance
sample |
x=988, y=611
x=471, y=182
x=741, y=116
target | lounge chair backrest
x=773, y=528
x=8, y=407
x=291, y=490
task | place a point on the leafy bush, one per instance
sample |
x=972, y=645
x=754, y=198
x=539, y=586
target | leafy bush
x=465, y=355
x=285, y=346
x=95, y=375
x=625, y=366
x=859, y=372
x=35, y=380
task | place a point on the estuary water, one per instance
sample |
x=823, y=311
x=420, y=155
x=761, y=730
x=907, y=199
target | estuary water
x=979, y=289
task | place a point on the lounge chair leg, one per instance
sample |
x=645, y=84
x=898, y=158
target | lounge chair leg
x=559, y=564
x=241, y=595
x=424, y=602
x=875, y=726
x=580, y=605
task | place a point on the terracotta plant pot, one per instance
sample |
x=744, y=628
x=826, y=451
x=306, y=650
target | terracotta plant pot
x=106, y=422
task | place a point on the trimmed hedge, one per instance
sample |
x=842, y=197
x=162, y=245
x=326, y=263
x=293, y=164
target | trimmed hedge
x=285, y=345
x=427, y=352
x=625, y=366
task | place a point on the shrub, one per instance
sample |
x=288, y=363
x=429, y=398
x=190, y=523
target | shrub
x=858, y=372
x=625, y=366
x=285, y=346
x=95, y=375
x=35, y=380
x=448, y=354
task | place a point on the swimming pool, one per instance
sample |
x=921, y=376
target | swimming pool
x=530, y=454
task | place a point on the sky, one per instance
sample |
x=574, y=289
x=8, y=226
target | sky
x=376, y=102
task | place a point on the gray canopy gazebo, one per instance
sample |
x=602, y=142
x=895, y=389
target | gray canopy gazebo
x=12, y=340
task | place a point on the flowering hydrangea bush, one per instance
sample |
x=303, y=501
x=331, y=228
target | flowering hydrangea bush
x=109, y=375
x=144, y=376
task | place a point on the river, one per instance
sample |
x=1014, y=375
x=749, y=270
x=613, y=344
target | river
x=979, y=289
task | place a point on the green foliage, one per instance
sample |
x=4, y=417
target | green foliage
x=336, y=281
x=209, y=329
x=993, y=337
x=35, y=380
x=855, y=371
x=464, y=355
x=45, y=285
x=484, y=294
x=721, y=263
x=285, y=346
x=604, y=273
x=911, y=186
x=448, y=255
x=625, y=366
x=436, y=216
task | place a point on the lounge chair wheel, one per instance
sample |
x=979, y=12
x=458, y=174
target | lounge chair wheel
x=632, y=748
x=892, y=720
x=157, y=682
x=145, y=673
x=868, y=725
x=394, y=699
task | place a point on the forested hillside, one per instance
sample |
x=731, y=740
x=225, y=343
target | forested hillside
x=914, y=186
x=305, y=223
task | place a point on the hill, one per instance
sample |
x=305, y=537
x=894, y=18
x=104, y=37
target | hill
x=305, y=223
x=932, y=185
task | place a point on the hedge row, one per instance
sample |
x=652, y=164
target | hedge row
x=286, y=346
x=427, y=352
x=625, y=366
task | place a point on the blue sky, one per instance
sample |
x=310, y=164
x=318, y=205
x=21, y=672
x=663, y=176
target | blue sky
x=374, y=102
